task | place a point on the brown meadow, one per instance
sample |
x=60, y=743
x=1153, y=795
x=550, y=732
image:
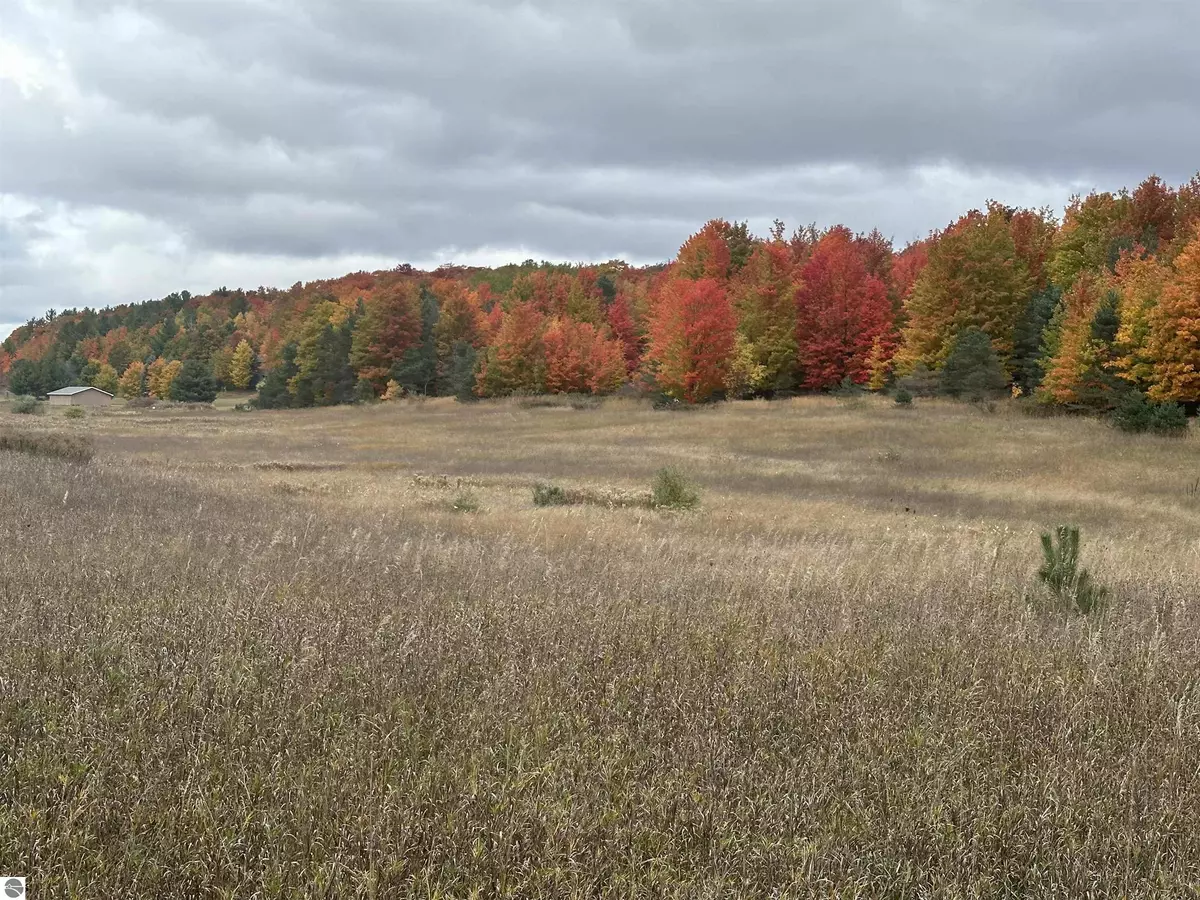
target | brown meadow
x=340, y=653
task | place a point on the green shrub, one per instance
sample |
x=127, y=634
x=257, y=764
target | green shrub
x=74, y=412
x=921, y=382
x=1136, y=414
x=70, y=447
x=465, y=502
x=662, y=401
x=1060, y=572
x=1169, y=420
x=848, y=388
x=903, y=397
x=550, y=495
x=672, y=490
x=1037, y=408
x=26, y=405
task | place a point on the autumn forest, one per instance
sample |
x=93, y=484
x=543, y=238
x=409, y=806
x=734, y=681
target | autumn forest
x=1077, y=313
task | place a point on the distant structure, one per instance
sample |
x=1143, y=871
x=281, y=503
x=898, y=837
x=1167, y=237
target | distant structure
x=80, y=396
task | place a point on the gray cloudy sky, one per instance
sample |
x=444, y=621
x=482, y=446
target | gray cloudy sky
x=147, y=146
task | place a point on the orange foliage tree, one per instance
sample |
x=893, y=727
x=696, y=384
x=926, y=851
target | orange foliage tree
x=1140, y=283
x=705, y=254
x=581, y=358
x=1175, y=331
x=692, y=329
x=1076, y=352
x=515, y=361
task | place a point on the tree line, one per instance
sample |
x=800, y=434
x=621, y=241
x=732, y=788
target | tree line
x=1076, y=312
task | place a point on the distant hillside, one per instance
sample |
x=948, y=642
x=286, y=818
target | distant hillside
x=1077, y=311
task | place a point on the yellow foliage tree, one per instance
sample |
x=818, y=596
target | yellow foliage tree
x=106, y=378
x=133, y=381
x=880, y=364
x=160, y=376
x=241, y=366
x=1140, y=285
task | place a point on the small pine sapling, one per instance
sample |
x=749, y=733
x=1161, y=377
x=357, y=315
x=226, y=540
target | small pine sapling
x=1060, y=572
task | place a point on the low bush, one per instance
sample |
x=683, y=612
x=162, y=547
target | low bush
x=26, y=405
x=665, y=402
x=70, y=447
x=74, y=412
x=921, y=382
x=1137, y=414
x=1037, y=408
x=560, y=401
x=903, y=397
x=551, y=495
x=848, y=389
x=672, y=490
x=465, y=502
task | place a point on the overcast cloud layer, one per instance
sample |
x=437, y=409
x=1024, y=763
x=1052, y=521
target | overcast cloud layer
x=150, y=147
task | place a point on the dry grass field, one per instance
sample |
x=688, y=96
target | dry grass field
x=263, y=655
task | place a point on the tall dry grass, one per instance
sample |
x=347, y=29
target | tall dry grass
x=263, y=656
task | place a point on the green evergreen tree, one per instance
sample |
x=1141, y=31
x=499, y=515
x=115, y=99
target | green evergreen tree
x=1027, y=361
x=973, y=370
x=194, y=383
x=273, y=390
x=461, y=372
x=1099, y=386
x=324, y=376
x=416, y=371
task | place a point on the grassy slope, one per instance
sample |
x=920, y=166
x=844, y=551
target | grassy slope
x=253, y=653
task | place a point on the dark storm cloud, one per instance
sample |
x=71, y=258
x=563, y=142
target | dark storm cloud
x=316, y=129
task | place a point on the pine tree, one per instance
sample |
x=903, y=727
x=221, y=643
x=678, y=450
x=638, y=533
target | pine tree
x=417, y=370
x=393, y=391
x=973, y=370
x=323, y=373
x=461, y=372
x=1027, y=360
x=273, y=390
x=194, y=383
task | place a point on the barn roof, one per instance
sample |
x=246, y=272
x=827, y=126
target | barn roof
x=71, y=391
